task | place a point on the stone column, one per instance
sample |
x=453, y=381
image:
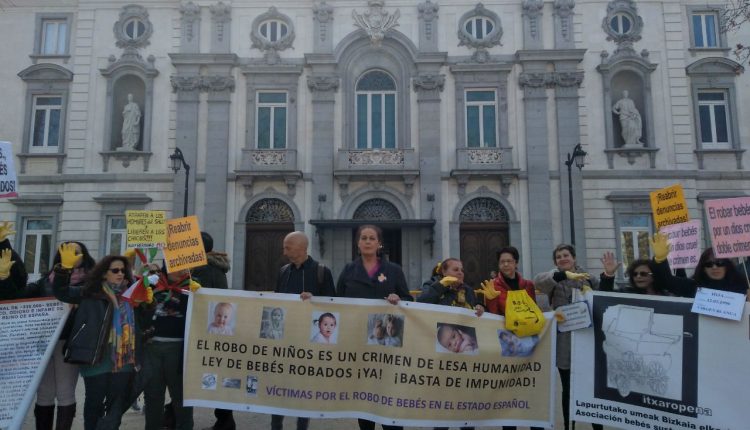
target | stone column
x=532, y=24
x=221, y=20
x=428, y=87
x=190, y=34
x=323, y=28
x=428, y=28
x=534, y=82
x=187, y=84
x=220, y=88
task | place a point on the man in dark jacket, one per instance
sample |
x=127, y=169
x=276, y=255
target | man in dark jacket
x=214, y=275
x=306, y=277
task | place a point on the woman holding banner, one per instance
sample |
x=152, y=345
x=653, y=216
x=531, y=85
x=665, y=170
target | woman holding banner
x=560, y=284
x=60, y=378
x=371, y=277
x=106, y=336
x=711, y=272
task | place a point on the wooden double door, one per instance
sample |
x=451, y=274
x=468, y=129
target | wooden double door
x=264, y=254
x=479, y=244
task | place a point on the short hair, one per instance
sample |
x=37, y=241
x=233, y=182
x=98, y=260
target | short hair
x=444, y=264
x=208, y=241
x=326, y=315
x=509, y=250
x=563, y=247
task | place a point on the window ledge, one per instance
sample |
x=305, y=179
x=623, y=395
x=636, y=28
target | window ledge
x=693, y=50
x=484, y=158
x=24, y=156
x=701, y=153
x=126, y=157
x=36, y=57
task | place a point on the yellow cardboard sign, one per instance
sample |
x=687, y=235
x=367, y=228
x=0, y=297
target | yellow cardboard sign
x=669, y=206
x=184, y=248
x=146, y=229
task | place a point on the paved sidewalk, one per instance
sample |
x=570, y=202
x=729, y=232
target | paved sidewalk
x=203, y=418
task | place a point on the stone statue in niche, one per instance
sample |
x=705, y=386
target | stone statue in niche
x=131, y=125
x=630, y=121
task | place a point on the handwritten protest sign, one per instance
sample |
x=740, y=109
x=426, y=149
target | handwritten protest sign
x=29, y=330
x=355, y=358
x=668, y=206
x=184, y=248
x=729, y=226
x=8, y=179
x=146, y=229
x=576, y=317
x=649, y=362
x=720, y=304
x=684, y=246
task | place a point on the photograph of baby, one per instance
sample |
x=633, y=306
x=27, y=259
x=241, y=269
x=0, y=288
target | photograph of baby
x=272, y=323
x=385, y=329
x=514, y=346
x=456, y=339
x=252, y=386
x=324, y=328
x=235, y=383
x=208, y=381
x=221, y=318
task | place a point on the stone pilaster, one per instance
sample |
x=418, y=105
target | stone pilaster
x=323, y=89
x=190, y=34
x=187, y=84
x=323, y=28
x=428, y=27
x=221, y=20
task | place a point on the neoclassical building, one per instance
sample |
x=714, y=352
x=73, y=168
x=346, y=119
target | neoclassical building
x=448, y=123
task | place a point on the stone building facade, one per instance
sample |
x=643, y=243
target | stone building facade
x=447, y=123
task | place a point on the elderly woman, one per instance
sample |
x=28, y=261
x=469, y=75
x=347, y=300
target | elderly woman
x=559, y=284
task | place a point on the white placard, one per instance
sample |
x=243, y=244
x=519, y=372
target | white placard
x=576, y=317
x=717, y=303
x=8, y=179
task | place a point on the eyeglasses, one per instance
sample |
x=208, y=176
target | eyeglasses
x=117, y=270
x=714, y=263
x=153, y=272
x=642, y=274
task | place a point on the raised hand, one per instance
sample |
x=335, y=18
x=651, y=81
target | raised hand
x=6, y=229
x=660, y=245
x=68, y=257
x=5, y=263
x=610, y=263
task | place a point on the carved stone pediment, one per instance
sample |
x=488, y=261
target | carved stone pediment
x=375, y=21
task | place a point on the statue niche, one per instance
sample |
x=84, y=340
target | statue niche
x=127, y=114
x=628, y=113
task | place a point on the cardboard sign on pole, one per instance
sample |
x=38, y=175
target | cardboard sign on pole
x=8, y=179
x=146, y=229
x=184, y=248
x=668, y=206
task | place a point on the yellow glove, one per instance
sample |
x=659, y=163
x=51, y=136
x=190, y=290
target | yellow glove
x=6, y=229
x=149, y=295
x=660, y=246
x=68, y=257
x=194, y=286
x=447, y=281
x=5, y=263
x=488, y=288
x=573, y=276
x=585, y=289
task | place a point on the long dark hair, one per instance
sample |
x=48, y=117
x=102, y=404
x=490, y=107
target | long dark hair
x=87, y=262
x=731, y=276
x=94, y=278
x=651, y=268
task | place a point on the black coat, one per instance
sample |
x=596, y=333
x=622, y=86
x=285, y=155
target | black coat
x=686, y=287
x=310, y=283
x=354, y=282
x=12, y=287
x=213, y=274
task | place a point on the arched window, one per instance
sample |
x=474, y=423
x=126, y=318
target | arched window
x=269, y=211
x=483, y=209
x=376, y=110
x=377, y=209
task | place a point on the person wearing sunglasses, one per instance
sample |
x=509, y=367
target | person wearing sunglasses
x=641, y=279
x=711, y=272
x=105, y=339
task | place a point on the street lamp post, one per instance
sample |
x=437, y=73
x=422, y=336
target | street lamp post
x=179, y=160
x=578, y=158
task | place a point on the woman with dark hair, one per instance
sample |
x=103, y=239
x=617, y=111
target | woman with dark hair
x=371, y=277
x=507, y=279
x=106, y=337
x=560, y=284
x=641, y=279
x=60, y=378
x=711, y=272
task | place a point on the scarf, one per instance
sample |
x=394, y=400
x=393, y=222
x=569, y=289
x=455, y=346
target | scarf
x=122, y=334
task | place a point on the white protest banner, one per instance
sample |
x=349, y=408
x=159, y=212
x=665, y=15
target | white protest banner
x=720, y=304
x=729, y=225
x=354, y=358
x=684, y=245
x=29, y=330
x=576, y=317
x=648, y=362
x=8, y=179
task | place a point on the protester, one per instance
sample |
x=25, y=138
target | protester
x=711, y=272
x=559, y=285
x=641, y=279
x=13, y=276
x=507, y=279
x=162, y=366
x=214, y=275
x=60, y=378
x=372, y=277
x=106, y=336
x=306, y=277
x=450, y=290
